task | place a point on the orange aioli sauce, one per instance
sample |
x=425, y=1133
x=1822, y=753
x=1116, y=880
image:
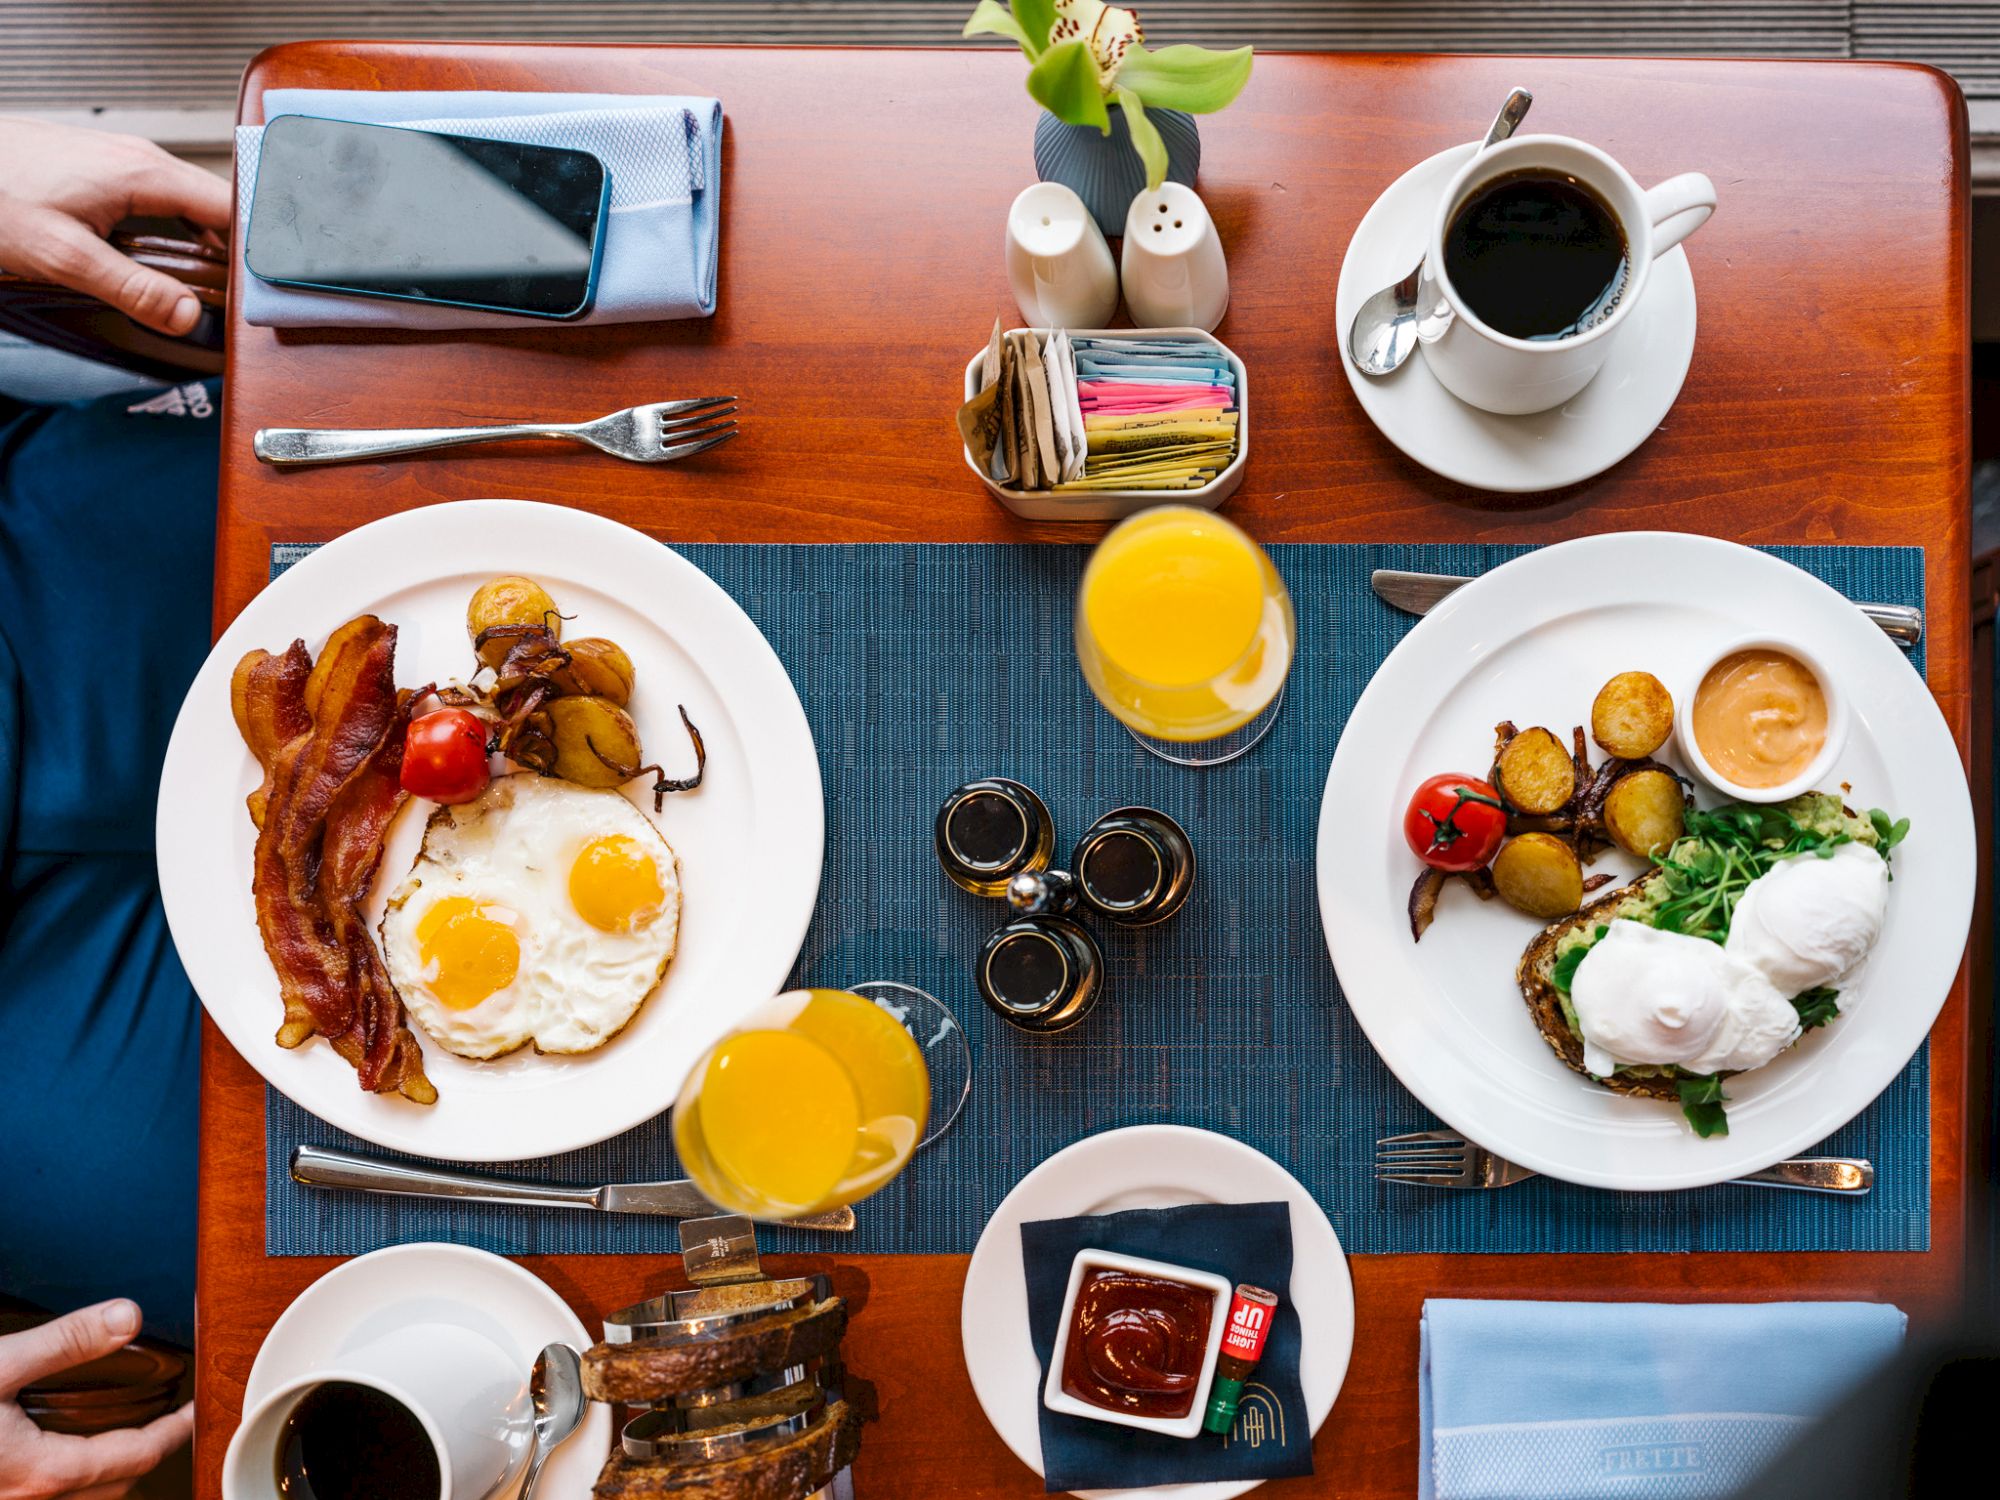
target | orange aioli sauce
x=1760, y=717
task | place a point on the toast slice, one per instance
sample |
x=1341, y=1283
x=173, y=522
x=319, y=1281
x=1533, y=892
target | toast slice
x=1545, y=1001
x=642, y=1373
x=790, y=1470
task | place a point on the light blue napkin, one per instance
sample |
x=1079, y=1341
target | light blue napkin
x=1577, y=1400
x=664, y=154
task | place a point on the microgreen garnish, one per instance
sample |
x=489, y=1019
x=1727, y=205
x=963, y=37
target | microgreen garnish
x=1816, y=1006
x=1701, y=1101
x=1564, y=972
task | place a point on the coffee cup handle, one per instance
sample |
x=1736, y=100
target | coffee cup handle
x=1678, y=207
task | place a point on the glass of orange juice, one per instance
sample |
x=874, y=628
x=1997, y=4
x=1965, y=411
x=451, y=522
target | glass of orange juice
x=1185, y=632
x=817, y=1100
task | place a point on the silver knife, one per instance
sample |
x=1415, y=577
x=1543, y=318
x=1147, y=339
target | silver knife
x=315, y=1166
x=1420, y=593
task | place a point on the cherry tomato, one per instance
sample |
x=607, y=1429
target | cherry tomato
x=1455, y=822
x=444, y=756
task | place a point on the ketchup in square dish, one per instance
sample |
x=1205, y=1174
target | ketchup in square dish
x=1137, y=1343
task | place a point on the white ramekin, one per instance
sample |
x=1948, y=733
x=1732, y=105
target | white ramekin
x=1837, y=716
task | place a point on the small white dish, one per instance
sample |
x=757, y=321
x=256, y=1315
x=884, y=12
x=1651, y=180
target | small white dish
x=361, y=1302
x=1813, y=778
x=1055, y=1398
x=1112, y=505
x=1603, y=423
x=1147, y=1166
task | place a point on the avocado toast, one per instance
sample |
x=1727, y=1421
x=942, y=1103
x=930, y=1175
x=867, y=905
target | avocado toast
x=1692, y=889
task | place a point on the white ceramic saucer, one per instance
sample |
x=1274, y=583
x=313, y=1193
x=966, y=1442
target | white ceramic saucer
x=1604, y=422
x=1144, y=1166
x=361, y=1299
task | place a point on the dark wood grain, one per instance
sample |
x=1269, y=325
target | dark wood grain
x=864, y=194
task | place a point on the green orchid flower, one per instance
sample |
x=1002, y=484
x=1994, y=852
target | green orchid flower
x=1084, y=55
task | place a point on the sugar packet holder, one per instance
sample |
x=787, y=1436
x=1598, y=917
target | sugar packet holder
x=1110, y=505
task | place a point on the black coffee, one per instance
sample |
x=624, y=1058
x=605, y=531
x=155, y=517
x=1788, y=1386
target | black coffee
x=1537, y=255
x=351, y=1442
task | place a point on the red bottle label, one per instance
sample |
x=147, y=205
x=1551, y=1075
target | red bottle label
x=1249, y=1326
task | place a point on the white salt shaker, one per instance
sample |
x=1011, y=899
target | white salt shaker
x=1057, y=260
x=1174, y=272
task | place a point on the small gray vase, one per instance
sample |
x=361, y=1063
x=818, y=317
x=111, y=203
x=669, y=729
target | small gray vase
x=1103, y=170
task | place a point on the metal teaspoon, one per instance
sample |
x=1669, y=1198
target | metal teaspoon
x=556, y=1388
x=1388, y=325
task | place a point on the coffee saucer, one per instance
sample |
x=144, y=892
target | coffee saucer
x=360, y=1300
x=1590, y=432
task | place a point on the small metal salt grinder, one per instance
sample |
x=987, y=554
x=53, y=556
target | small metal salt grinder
x=1041, y=972
x=1134, y=866
x=989, y=831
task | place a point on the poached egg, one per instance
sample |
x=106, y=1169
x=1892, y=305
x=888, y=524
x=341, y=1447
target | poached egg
x=1808, y=921
x=1648, y=998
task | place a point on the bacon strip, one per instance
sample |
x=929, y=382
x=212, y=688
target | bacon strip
x=267, y=694
x=330, y=793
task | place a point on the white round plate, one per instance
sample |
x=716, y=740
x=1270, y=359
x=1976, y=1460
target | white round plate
x=365, y=1298
x=1606, y=420
x=750, y=840
x=1533, y=641
x=1144, y=1166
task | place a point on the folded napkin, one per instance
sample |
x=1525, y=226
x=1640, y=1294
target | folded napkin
x=1243, y=1241
x=1575, y=1400
x=664, y=154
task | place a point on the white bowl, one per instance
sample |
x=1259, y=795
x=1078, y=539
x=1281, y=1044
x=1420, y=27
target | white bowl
x=1111, y=505
x=1837, y=716
x=1057, y=1399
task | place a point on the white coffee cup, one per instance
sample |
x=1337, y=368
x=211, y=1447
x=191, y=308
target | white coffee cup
x=1058, y=261
x=461, y=1387
x=1511, y=376
x=1171, y=261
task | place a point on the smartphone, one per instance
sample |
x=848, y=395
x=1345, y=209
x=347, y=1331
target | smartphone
x=381, y=211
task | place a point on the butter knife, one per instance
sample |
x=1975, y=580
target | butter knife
x=1420, y=593
x=316, y=1166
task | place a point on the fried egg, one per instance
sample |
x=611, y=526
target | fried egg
x=538, y=912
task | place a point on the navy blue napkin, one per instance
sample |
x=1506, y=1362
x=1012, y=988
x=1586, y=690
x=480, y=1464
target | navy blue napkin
x=1249, y=1242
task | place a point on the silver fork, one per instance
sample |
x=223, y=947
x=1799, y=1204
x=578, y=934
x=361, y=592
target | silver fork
x=655, y=434
x=1445, y=1159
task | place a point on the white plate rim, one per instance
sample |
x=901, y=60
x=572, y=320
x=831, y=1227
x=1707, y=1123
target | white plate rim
x=205, y=758
x=575, y=1464
x=1564, y=578
x=993, y=1311
x=1670, y=296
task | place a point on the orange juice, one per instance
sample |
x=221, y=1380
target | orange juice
x=818, y=1102
x=1183, y=627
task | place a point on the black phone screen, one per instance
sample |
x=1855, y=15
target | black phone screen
x=386, y=212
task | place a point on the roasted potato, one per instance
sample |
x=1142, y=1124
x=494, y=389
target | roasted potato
x=1538, y=873
x=1644, y=812
x=508, y=600
x=1534, y=773
x=1632, y=716
x=596, y=743
x=597, y=668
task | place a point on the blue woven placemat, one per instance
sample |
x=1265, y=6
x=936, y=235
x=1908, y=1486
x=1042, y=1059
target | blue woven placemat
x=924, y=666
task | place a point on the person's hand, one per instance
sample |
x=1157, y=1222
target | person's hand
x=63, y=190
x=38, y=1465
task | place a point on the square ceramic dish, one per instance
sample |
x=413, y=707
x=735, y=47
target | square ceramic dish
x=1110, y=505
x=1055, y=1398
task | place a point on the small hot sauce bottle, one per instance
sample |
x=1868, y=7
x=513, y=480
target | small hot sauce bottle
x=1250, y=1313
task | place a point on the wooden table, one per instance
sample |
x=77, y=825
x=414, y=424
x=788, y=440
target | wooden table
x=863, y=198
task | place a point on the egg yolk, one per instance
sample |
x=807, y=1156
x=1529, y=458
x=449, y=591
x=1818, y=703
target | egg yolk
x=467, y=954
x=614, y=884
